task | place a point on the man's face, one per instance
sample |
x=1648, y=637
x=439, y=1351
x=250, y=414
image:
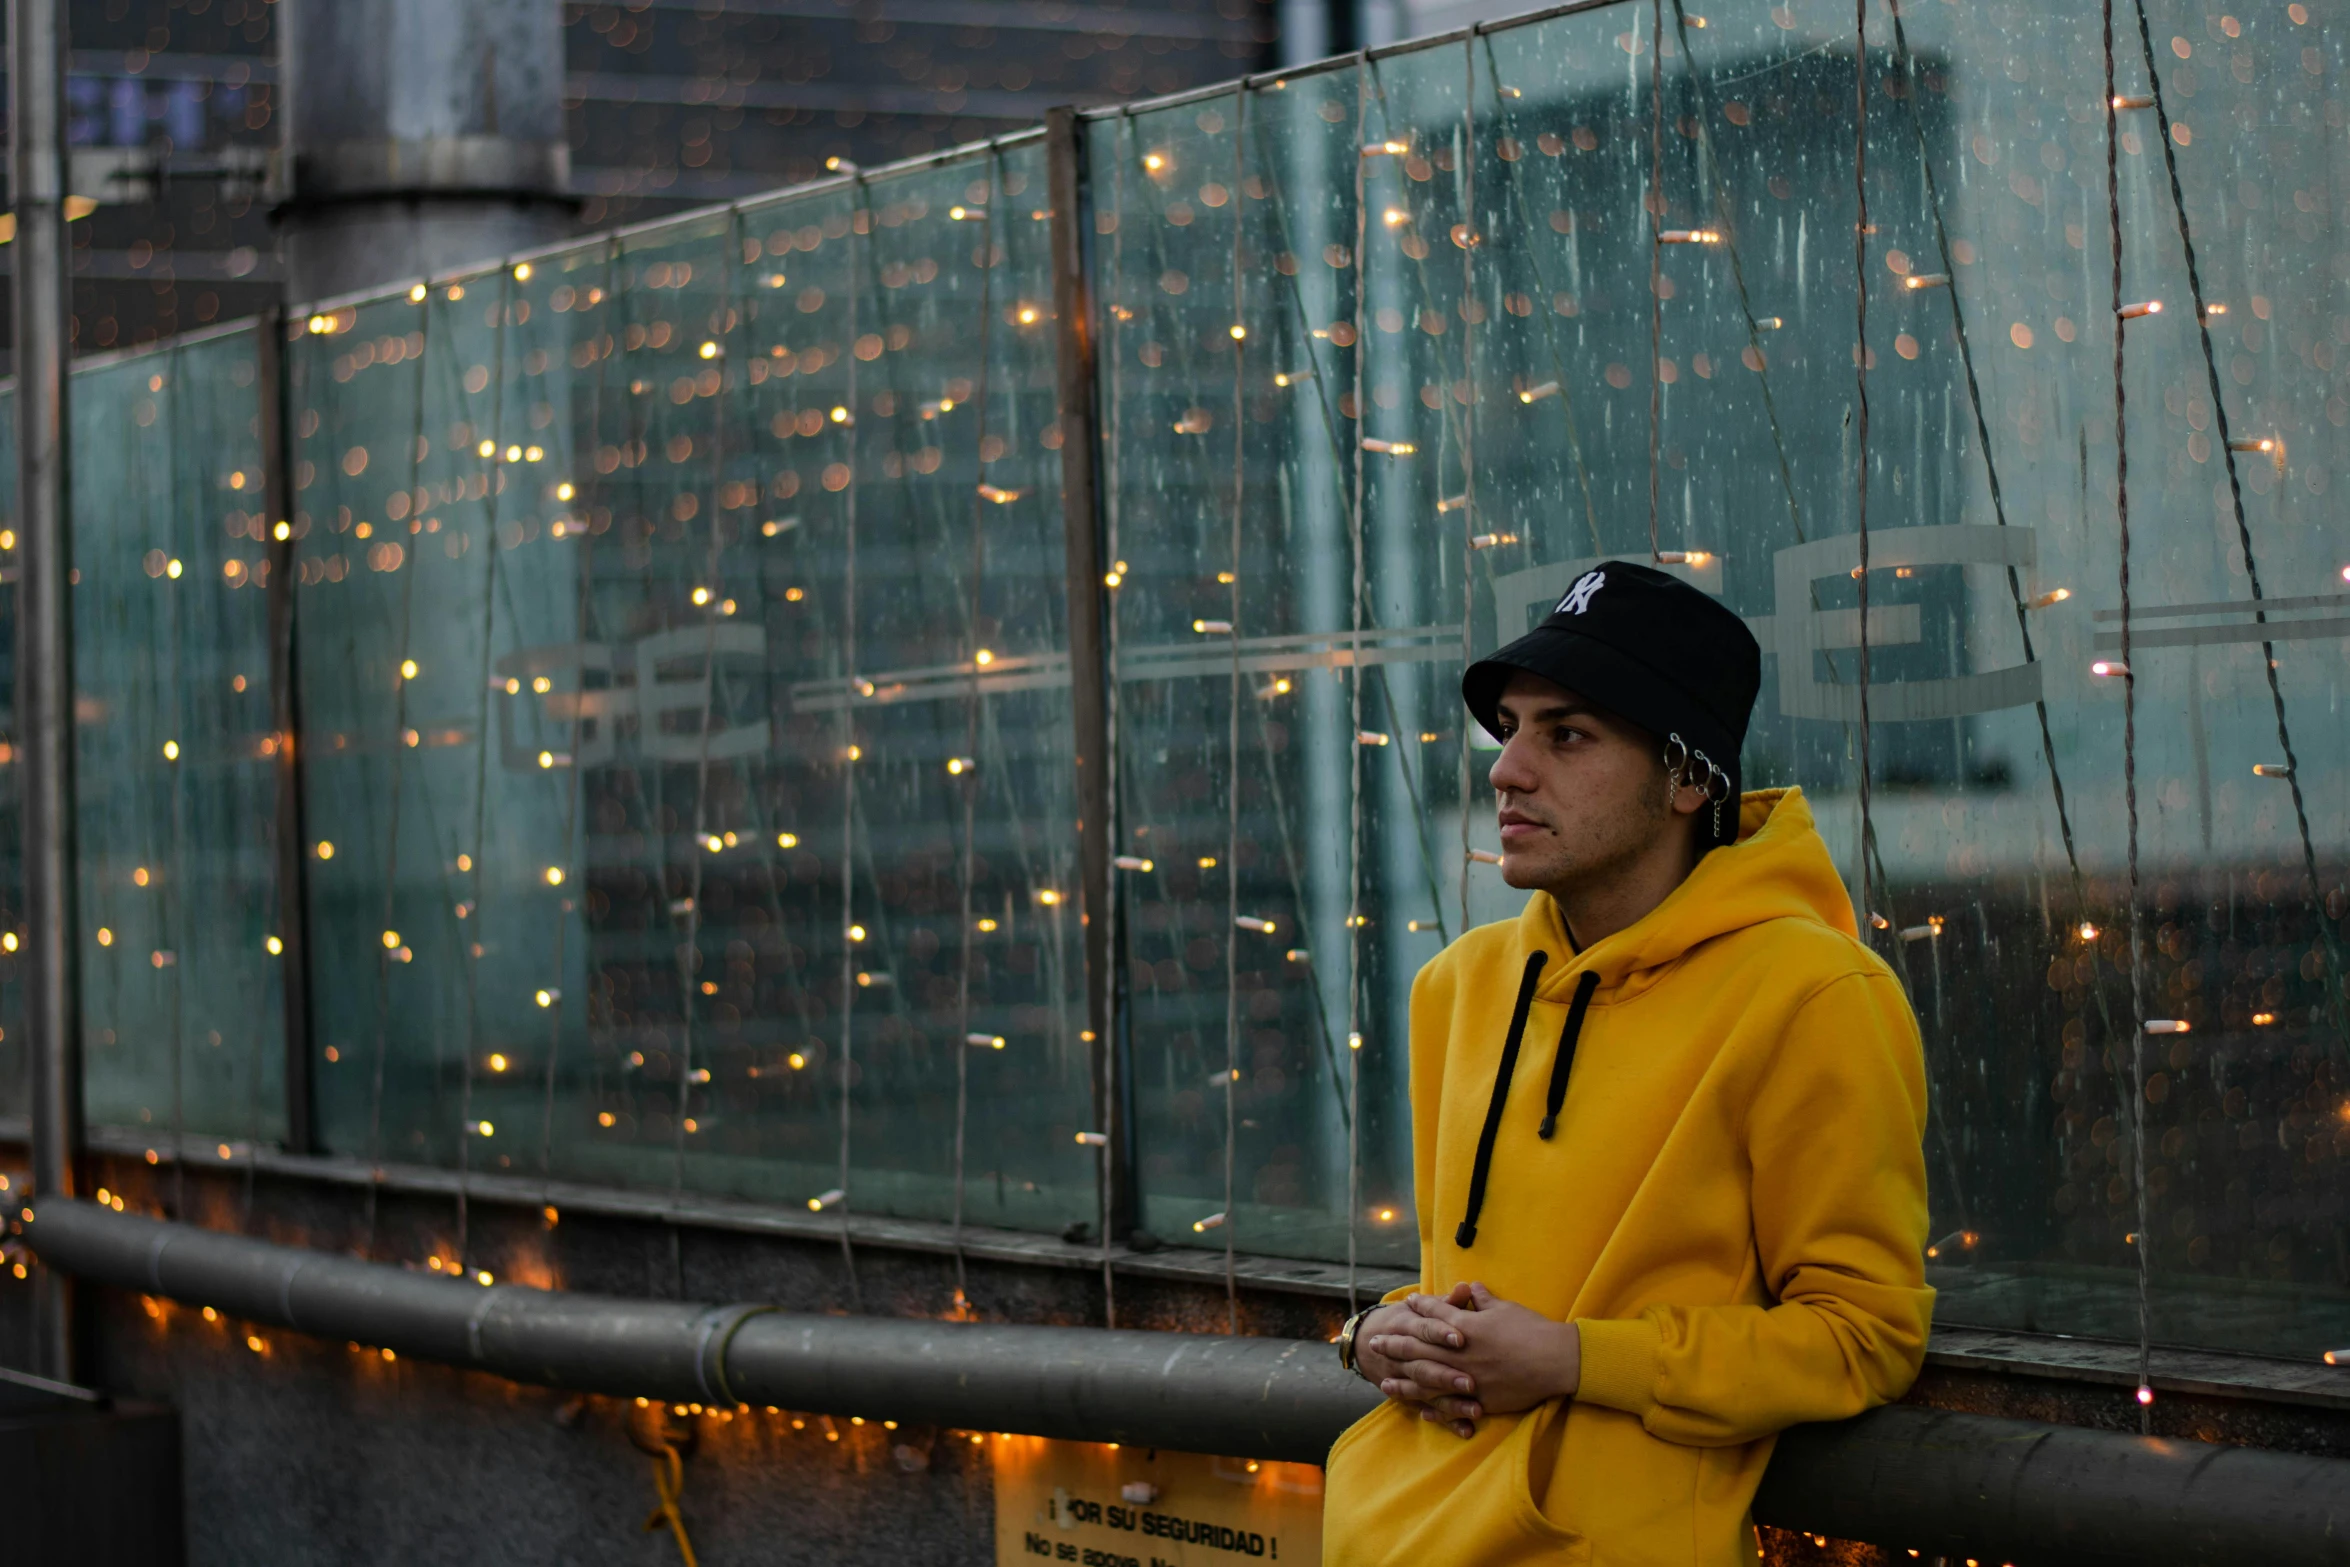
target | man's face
x=1581, y=792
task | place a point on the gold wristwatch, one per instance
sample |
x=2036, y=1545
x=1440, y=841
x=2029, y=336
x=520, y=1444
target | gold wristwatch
x=1346, y=1338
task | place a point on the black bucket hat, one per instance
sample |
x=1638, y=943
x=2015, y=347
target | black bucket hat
x=1649, y=648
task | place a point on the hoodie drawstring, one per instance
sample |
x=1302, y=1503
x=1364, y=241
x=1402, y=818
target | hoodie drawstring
x=1564, y=1062
x=1466, y=1236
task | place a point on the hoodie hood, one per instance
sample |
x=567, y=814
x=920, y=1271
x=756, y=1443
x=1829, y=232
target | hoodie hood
x=1777, y=870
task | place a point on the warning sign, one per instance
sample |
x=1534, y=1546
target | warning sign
x=1103, y=1506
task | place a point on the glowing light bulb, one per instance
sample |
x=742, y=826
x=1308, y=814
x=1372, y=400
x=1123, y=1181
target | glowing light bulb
x=547, y=998
x=554, y=875
x=391, y=940
x=417, y=294
x=487, y=449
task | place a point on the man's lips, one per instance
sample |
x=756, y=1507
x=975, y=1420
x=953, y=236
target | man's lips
x=1517, y=828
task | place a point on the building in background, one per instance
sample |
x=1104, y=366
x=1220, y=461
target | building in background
x=177, y=113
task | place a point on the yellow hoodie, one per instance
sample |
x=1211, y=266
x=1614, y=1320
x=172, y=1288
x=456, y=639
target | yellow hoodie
x=1732, y=1207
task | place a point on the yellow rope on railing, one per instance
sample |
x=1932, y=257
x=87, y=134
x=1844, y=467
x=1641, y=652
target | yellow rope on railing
x=669, y=1485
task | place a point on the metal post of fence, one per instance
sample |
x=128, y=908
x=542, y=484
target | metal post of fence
x=1088, y=670
x=44, y=630
x=293, y=885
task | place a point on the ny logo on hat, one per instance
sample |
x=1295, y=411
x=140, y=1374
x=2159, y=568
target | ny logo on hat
x=1578, y=597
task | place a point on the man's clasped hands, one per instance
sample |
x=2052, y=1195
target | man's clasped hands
x=1458, y=1357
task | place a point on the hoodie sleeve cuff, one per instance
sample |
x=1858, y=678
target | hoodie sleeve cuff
x=1620, y=1363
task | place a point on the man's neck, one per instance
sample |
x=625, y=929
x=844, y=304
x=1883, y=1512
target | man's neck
x=1597, y=908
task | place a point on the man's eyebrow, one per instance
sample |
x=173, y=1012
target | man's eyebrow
x=1547, y=712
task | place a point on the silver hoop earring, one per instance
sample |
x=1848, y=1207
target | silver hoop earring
x=1717, y=789
x=1675, y=767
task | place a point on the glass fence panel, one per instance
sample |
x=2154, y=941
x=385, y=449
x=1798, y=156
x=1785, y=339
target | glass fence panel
x=175, y=784
x=718, y=826
x=411, y=488
x=976, y=1075
x=1228, y=381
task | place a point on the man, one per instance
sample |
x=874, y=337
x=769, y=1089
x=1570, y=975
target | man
x=1666, y=1132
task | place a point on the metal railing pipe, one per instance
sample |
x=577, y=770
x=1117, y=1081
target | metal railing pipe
x=1246, y=1397
x=1940, y=1483
x=1960, y=1486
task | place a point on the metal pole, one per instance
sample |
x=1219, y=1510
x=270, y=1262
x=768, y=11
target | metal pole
x=293, y=884
x=1089, y=674
x=44, y=630
x=421, y=135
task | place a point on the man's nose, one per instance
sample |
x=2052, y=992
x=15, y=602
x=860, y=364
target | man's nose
x=1509, y=773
